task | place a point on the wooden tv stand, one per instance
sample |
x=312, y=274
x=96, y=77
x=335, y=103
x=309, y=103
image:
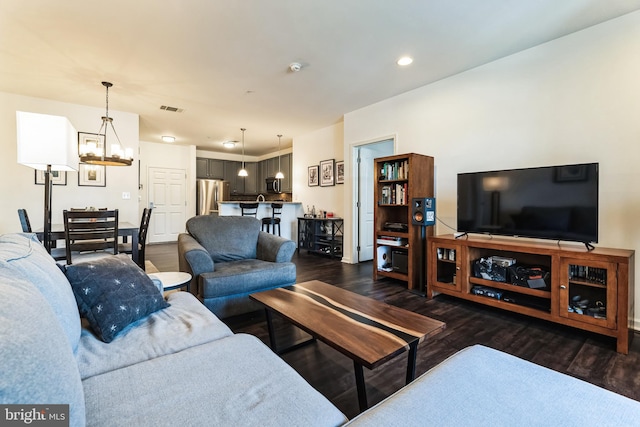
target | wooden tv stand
x=589, y=290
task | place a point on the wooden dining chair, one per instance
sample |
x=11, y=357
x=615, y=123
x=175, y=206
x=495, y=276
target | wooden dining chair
x=90, y=234
x=24, y=220
x=57, y=253
x=126, y=247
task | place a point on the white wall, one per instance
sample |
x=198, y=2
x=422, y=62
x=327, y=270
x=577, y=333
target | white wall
x=310, y=150
x=17, y=188
x=575, y=99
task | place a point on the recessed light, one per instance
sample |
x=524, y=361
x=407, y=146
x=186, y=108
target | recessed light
x=404, y=61
x=229, y=144
x=169, y=138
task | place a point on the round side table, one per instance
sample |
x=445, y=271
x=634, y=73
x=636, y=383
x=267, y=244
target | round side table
x=173, y=279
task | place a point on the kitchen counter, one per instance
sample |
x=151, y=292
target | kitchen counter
x=288, y=220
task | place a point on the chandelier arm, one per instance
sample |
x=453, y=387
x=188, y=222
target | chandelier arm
x=115, y=133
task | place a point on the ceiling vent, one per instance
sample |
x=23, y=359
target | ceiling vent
x=172, y=109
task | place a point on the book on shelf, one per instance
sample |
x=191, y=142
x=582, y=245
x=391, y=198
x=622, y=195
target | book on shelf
x=394, y=170
x=394, y=194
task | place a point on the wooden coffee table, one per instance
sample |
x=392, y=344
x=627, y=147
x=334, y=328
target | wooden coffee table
x=369, y=332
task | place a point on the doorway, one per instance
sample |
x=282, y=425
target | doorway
x=365, y=176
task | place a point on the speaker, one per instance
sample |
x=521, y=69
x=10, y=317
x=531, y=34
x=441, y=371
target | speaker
x=399, y=261
x=423, y=211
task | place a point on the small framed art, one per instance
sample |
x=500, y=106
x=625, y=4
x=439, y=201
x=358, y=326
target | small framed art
x=327, y=173
x=57, y=177
x=340, y=172
x=92, y=176
x=313, y=176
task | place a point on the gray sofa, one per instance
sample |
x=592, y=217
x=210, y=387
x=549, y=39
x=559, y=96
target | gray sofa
x=178, y=366
x=229, y=257
x=182, y=366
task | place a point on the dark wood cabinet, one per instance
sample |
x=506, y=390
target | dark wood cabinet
x=589, y=290
x=209, y=168
x=255, y=182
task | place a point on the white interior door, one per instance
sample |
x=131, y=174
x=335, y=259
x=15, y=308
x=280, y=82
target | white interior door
x=366, y=174
x=167, y=196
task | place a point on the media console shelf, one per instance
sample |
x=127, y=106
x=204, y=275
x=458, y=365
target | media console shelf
x=589, y=290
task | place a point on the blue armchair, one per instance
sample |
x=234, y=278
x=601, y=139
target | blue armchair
x=229, y=257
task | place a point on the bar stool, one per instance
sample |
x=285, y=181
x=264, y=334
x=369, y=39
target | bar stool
x=249, y=209
x=273, y=220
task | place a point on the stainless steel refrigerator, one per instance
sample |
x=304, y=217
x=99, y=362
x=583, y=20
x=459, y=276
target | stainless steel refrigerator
x=208, y=193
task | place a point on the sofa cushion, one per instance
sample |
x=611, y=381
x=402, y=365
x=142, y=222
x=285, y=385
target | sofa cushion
x=226, y=238
x=246, y=276
x=28, y=259
x=38, y=366
x=486, y=387
x=185, y=323
x=112, y=293
x=240, y=382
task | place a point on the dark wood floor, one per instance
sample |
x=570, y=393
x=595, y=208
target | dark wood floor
x=580, y=354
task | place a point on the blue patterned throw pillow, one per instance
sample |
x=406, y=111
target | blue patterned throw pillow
x=112, y=293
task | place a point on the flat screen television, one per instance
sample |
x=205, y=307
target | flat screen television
x=551, y=202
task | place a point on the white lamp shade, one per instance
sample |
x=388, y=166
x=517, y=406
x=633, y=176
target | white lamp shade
x=44, y=140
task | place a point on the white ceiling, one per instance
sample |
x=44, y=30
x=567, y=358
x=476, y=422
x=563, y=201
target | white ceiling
x=225, y=63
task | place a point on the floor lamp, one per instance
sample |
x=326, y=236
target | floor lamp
x=47, y=143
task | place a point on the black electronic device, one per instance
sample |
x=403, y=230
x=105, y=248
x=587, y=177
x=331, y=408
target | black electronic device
x=400, y=227
x=423, y=211
x=399, y=262
x=551, y=202
x=486, y=291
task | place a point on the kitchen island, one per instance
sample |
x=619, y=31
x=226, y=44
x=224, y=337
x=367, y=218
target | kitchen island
x=288, y=220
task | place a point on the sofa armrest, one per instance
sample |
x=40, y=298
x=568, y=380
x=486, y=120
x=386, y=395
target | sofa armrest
x=274, y=248
x=193, y=258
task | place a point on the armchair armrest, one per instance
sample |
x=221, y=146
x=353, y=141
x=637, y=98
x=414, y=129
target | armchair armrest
x=274, y=248
x=193, y=258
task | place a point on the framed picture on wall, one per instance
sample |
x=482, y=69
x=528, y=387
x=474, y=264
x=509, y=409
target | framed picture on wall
x=92, y=176
x=340, y=172
x=313, y=176
x=57, y=177
x=90, y=143
x=327, y=169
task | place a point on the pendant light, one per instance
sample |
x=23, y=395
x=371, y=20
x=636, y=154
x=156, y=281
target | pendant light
x=94, y=150
x=279, y=175
x=243, y=171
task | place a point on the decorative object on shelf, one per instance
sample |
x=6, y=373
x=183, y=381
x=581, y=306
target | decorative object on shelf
x=57, y=177
x=279, y=175
x=313, y=176
x=340, y=172
x=243, y=171
x=93, y=150
x=327, y=168
x=46, y=143
x=92, y=176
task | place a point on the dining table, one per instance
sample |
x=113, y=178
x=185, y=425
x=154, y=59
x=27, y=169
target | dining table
x=125, y=229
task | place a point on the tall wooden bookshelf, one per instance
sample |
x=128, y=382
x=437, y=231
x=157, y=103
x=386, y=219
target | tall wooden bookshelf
x=398, y=180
